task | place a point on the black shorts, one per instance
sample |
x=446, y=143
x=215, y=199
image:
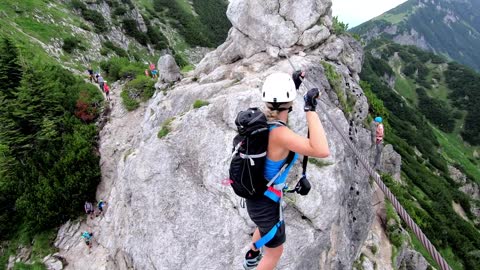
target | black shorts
x=265, y=213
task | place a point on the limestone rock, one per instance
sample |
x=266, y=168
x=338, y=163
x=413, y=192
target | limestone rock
x=457, y=175
x=409, y=259
x=53, y=262
x=332, y=48
x=168, y=69
x=315, y=35
x=23, y=255
x=352, y=55
x=391, y=162
x=367, y=264
x=471, y=189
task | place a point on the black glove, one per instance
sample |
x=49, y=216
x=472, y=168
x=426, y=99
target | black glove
x=311, y=99
x=297, y=78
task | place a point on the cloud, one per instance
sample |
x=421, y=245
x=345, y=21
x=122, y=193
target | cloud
x=355, y=12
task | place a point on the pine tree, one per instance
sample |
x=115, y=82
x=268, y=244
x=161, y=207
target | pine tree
x=10, y=69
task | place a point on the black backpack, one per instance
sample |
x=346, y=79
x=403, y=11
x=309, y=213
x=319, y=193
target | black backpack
x=249, y=154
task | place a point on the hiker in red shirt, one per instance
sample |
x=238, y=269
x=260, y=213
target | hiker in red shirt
x=106, y=89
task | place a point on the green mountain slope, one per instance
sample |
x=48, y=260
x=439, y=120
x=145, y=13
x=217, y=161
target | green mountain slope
x=49, y=164
x=424, y=123
x=77, y=32
x=451, y=28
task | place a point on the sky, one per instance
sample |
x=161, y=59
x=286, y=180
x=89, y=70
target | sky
x=355, y=12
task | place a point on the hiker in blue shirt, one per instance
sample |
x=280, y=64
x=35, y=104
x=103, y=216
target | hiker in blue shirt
x=278, y=92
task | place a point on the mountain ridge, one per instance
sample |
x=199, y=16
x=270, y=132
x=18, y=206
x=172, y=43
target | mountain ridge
x=450, y=28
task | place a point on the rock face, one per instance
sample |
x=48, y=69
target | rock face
x=167, y=206
x=409, y=259
x=391, y=162
x=168, y=69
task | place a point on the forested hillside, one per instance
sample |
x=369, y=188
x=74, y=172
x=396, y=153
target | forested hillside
x=451, y=28
x=78, y=32
x=425, y=102
x=49, y=165
x=49, y=160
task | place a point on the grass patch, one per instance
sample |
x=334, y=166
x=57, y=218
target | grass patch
x=187, y=68
x=347, y=102
x=319, y=163
x=200, y=103
x=34, y=266
x=457, y=153
x=41, y=244
x=407, y=89
x=72, y=43
x=136, y=91
x=129, y=102
x=166, y=128
x=394, y=18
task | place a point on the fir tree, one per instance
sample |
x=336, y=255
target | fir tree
x=10, y=69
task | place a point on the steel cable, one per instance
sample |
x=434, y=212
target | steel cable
x=396, y=204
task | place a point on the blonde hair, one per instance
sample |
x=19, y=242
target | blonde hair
x=272, y=114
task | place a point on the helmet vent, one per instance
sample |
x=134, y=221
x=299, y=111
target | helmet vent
x=288, y=95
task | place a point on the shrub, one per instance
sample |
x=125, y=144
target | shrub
x=143, y=86
x=136, y=91
x=129, y=102
x=91, y=15
x=119, y=11
x=165, y=128
x=72, y=43
x=117, y=50
x=180, y=60
x=199, y=103
x=131, y=29
x=339, y=27
x=120, y=67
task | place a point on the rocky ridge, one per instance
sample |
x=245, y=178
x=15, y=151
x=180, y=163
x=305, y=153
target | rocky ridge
x=167, y=207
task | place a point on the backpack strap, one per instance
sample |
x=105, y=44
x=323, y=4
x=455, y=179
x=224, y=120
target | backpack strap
x=272, y=192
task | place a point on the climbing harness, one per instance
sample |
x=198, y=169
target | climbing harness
x=396, y=204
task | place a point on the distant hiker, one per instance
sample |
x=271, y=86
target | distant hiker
x=298, y=77
x=379, y=133
x=101, y=81
x=154, y=74
x=106, y=89
x=100, y=206
x=89, y=209
x=90, y=74
x=96, y=77
x=278, y=93
x=152, y=66
x=87, y=236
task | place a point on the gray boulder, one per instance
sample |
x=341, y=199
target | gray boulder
x=53, y=262
x=457, y=175
x=409, y=259
x=391, y=162
x=168, y=69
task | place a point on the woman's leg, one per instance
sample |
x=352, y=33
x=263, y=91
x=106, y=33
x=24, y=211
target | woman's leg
x=270, y=258
x=255, y=238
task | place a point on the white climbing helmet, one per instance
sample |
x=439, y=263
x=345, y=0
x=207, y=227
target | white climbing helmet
x=278, y=88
